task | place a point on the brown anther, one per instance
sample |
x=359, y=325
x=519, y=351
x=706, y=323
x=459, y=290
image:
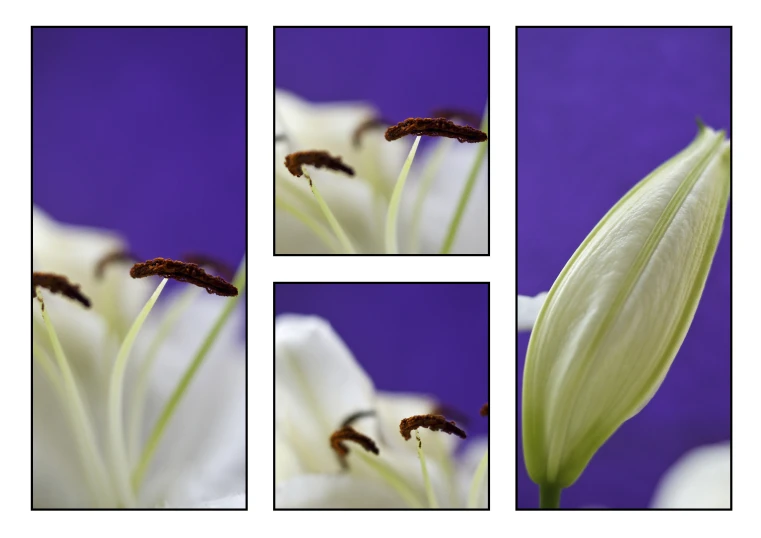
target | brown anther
x=351, y=419
x=485, y=410
x=449, y=411
x=58, y=284
x=220, y=267
x=362, y=128
x=184, y=272
x=432, y=422
x=112, y=257
x=347, y=433
x=434, y=127
x=318, y=159
x=451, y=113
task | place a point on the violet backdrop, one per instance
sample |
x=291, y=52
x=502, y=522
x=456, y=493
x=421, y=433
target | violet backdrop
x=598, y=109
x=403, y=71
x=143, y=131
x=424, y=338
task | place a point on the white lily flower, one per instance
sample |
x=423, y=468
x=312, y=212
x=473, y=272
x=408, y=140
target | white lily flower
x=132, y=407
x=619, y=311
x=699, y=479
x=318, y=386
x=443, y=208
x=528, y=310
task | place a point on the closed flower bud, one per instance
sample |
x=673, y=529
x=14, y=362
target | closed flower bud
x=620, y=309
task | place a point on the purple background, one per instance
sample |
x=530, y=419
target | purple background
x=143, y=131
x=598, y=109
x=424, y=338
x=402, y=71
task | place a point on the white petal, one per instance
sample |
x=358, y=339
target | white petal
x=528, y=310
x=233, y=501
x=202, y=454
x=336, y=491
x=699, y=479
x=318, y=384
x=468, y=463
x=441, y=202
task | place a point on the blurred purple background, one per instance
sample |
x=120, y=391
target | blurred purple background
x=402, y=71
x=598, y=109
x=424, y=338
x=143, y=131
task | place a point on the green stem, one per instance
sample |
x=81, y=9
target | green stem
x=549, y=496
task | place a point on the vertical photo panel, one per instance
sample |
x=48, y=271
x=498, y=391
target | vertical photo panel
x=138, y=252
x=624, y=240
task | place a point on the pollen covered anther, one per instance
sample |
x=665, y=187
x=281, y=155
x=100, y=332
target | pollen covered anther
x=112, y=257
x=434, y=127
x=362, y=128
x=58, y=284
x=347, y=433
x=450, y=113
x=432, y=422
x=184, y=272
x=318, y=159
x=485, y=410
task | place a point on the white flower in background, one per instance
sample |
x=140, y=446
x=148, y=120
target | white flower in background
x=132, y=407
x=442, y=208
x=699, y=479
x=619, y=311
x=528, y=310
x=318, y=386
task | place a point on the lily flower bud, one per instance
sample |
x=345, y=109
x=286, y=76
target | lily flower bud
x=619, y=311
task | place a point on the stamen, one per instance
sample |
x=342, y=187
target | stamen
x=362, y=128
x=432, y=422
x=223, y=269
x=351, y=419
x=347, y=433
x=58, y=284
x=318, y=159
x=450, y=113
x=485, y=410
x=434, y=127
x=112, y=257
x=184, y=272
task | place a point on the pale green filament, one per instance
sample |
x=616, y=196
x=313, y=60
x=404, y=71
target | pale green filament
x=392, y=246
x=429, y=174
x=392, y=478
x=478, y=479
x=115, y=396
x=179, y=391
x=42, y=359
x=426, y=480
x=318, y=229
x=138, y=401
x=92, y=462
x=446, y=247
x=342, y=237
